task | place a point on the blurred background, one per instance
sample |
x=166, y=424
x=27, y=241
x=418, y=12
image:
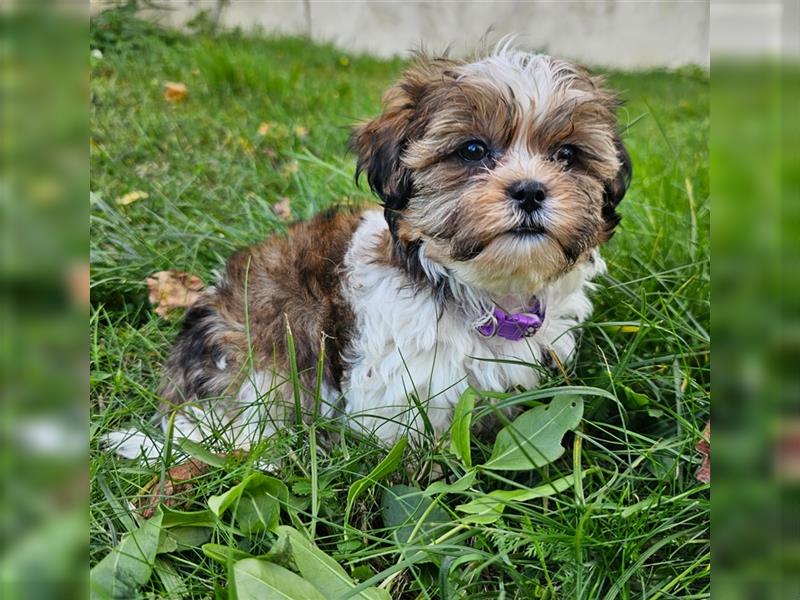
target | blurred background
x=756, y=225
x=609, y=33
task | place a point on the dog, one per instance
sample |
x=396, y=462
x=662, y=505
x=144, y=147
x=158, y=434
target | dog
x=499, y=180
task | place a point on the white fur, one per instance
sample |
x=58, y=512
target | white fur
x=402, y=345
x=132, y=443
x=535, y=79
x=252, y=415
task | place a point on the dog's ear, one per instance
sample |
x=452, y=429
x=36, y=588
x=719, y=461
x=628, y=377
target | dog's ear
x=380, y=143
x=615, y=189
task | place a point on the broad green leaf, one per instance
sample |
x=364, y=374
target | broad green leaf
x=176, y=539
x=166, y=544
x=181, y=530
x=362, y=572
x=459, y=431
x=635, y=400
x=173, y=583
x=281, y=551
x=449, y=565
x=179, y=518
x=352, y=543
x=403, y=507
x=384, y=468
x=260, y=580
x=485, y=512
x=461, y=485
x=321, y=570
x=201, y=453
x=534, y=438
x=219, y=504
x=489, y=508
x=224, y=554
x=128, y=566
x=257, y=500
x=257, y=511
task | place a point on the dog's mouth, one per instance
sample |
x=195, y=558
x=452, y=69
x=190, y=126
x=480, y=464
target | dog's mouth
x=528, y=230
x=530, y=226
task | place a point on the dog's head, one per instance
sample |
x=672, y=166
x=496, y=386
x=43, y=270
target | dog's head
x=506, y=171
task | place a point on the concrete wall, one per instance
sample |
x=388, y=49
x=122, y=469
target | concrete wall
x=615, y=33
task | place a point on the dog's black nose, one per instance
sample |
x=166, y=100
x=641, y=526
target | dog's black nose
x=528, y=194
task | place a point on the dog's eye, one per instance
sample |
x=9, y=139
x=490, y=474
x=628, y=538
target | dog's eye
x=473, y=151
x=566, y=154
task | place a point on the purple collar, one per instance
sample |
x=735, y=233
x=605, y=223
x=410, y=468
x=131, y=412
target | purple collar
x=514, y=326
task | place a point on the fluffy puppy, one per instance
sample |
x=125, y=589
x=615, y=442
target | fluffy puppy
x=499, y=180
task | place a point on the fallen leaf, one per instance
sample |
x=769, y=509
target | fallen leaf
x=787, y=451
x=132, y=197
x=78, y=283
x=128, y=566
x=174, y=92
x=534, y=438
x=245, y=145
x=264, y=127
x=283, y=209
x=148, y=169
x=177, y=481
x=173, y=289
x=704, y=448
x=300, y=130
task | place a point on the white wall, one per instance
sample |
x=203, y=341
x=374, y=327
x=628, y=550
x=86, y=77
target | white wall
x=614, y=33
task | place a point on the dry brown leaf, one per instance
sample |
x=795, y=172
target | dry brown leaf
x=178, y=481
x=174, y=92
x=283, y=209
x=264, y=127
x=173, y=289
x=78, y=283
x=787, y=450
x=704, y=448
x=132, y=197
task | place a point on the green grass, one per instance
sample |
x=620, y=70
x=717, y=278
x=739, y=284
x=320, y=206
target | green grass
x=636, y=526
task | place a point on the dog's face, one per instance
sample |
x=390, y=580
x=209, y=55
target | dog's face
x=505, y=171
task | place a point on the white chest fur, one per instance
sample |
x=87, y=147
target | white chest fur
x=409, y=356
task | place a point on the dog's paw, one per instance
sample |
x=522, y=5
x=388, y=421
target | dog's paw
x=132, y=444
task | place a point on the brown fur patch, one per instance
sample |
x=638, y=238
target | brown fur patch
x=294, y=279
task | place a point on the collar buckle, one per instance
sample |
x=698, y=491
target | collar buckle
x=513, y=326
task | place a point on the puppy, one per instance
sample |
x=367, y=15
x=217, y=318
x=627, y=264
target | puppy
x=499, y=180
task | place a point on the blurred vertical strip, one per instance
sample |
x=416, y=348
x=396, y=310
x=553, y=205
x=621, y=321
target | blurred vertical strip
x=44, y=292
x=755, y=175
